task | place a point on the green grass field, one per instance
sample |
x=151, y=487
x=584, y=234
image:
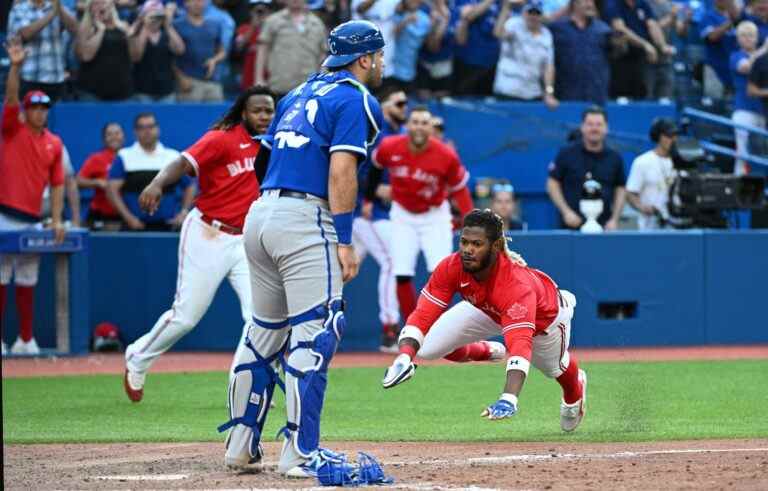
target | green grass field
x=626, y=402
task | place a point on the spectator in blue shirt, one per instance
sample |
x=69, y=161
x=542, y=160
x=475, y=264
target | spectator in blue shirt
x=204, y=50
x=134, y=168
x=582, y=45
x=477, y=50
x=642, y=43
x=435, y=65
x=588, y=158
x=411, y=28
x=746, y=110
x=719, y=36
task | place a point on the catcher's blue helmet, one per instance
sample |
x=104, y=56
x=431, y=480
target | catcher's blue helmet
x=351, y=40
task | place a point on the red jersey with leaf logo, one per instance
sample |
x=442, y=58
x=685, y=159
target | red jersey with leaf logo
x=423, y=180
x=523, y=301
x=223, y=162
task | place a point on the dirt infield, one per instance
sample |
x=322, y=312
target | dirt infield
x=709, y=464
x=203, y=362
x=732, y=464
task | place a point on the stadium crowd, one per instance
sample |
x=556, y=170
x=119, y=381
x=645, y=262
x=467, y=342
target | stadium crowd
x=553, y=50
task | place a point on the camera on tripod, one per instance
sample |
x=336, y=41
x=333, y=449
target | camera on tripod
x=698, y=198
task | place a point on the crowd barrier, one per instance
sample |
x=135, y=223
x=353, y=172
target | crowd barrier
x=633, y=289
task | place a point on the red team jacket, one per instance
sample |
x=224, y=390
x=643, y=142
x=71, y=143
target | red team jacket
x=522, y=301
x=223, y=162
x=29, y=162
x=424, y=180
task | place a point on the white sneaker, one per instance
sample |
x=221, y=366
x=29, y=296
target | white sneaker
x=572, y=414
x=25, y=348
x=32, y=347
x=498, y=351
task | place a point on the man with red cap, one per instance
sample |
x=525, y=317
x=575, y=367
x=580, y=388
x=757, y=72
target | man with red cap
x=30, y=160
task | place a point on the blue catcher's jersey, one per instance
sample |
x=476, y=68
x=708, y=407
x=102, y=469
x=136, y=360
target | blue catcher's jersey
x=327, y=113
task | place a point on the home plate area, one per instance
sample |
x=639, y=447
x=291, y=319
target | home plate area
x=711, y=464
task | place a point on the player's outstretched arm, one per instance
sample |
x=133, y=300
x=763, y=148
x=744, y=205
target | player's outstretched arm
x=342, y=195
x=149, y=199
x=403, y=367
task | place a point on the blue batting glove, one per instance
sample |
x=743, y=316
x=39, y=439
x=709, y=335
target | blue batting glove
x=505, y=407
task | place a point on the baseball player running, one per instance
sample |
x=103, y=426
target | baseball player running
x=211, y=244
x=372, y=232
x=501, y=295
x=298, y=240
x=423, y=173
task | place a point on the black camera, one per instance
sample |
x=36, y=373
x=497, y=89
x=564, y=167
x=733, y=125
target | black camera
x=698, y=198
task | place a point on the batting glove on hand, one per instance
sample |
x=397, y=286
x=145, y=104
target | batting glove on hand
x=401, y=370
x=505, y=407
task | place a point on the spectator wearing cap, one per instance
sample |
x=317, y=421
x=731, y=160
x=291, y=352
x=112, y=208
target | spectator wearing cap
x=156, y=44
x=381, y=13
x=641, y=42
x=651, y=176
x=719, y=36
x=203, y=51
x=105, y=53
x=41, y=25
x=747, y=110
x=477, y=49
x=504, y=204
x=435, y=66
x=412, y=26
x=247, y=40
x=526, y=68
x=588, y=158
x=93, y=175
x=581, y=44
x=30, y=159
x=291, y=47
x=134, y=168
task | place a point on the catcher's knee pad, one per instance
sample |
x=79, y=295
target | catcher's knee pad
x=251, y=388
x=308, y=363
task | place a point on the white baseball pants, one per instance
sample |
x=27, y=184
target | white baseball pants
x=23, y=268
x=464, y=323
x=430, y=232
x=207, y=256
x=375, y=237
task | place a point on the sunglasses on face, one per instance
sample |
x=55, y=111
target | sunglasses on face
x=145, y=126
x=400, y=103
x=534, y=12
x=40, y=99
x=502, y=188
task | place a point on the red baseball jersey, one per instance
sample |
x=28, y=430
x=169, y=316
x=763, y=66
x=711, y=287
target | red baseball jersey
x=96, y=166
x=523, y=301
x=29, y=162
x=420, y=181
x=223, y=162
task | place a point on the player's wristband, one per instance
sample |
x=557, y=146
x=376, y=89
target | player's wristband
x=343, y=224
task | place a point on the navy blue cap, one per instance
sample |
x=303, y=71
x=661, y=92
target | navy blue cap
x=351, y=40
